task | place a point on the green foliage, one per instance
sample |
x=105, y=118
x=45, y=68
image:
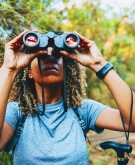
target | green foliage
x=114, y=37
x=99, y=161
x=5, y=159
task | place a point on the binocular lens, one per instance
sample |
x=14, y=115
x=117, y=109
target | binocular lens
x=71, y=41
x=31, y=40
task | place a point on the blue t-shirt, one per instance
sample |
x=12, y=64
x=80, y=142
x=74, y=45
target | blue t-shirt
x=55, y=138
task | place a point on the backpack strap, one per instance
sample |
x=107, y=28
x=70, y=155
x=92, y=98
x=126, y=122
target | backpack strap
x=12, y=143
x=82, y=124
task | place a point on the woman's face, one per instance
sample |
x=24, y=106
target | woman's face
x=52, y=70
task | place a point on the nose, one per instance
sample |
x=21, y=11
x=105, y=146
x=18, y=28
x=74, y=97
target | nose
x=50, y=51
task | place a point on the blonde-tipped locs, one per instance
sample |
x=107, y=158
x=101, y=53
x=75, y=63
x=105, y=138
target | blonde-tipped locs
x=23, y=90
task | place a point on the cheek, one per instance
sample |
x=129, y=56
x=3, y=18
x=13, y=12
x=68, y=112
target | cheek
x=61, y=66
x=61, y=71
x=35, y=70
x=49, y=79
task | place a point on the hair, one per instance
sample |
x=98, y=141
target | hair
x=24, y=92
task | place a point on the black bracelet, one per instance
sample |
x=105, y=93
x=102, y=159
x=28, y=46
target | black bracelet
x=103, y=71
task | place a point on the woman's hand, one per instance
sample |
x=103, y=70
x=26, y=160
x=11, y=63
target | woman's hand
x=88, y=54
x=15, y=58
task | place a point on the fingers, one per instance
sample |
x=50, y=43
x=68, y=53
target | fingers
x=21, y=48
x=82, y=49
x=85, y=42
x=82, y=38
x=18, y=38
x=71, y=56
x=38, y=53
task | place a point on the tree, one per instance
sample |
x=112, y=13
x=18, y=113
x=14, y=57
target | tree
x=114, y=37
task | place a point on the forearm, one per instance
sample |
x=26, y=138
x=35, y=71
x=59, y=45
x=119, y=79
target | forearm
x=121, y=93
x=7, y=79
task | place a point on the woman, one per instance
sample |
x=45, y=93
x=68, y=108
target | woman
x=56, y=136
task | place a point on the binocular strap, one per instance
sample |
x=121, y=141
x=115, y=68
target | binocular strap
x=43, y=94
x=130, y=119
x=64, y=90
x=122, y=150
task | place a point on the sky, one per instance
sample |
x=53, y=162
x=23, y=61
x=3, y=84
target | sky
x=113, y=3
x=117, y=7
x=118, y=3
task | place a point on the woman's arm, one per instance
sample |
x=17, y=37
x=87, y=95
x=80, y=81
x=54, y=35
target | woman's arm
x=15, y=60
x=122, y=95
x=7, y=79
x=89, y=55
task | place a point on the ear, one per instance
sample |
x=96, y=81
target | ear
x=30, y=75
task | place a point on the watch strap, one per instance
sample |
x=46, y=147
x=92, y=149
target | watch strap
x=104, y=70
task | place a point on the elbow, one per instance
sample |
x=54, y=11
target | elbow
x=1, y=148
x=133, y=123
x=1, y=144
x=132, y=127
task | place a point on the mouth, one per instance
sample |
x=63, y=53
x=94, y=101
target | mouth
x=50, y=68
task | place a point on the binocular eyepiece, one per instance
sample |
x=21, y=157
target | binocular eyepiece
x=34, y=41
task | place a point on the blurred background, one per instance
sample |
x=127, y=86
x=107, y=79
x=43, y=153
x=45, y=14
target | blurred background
x=111, y=24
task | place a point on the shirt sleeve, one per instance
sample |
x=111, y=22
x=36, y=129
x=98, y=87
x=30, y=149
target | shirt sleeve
x=12, y=114
x=90, y=110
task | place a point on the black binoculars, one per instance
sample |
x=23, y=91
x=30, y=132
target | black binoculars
x=34, y=41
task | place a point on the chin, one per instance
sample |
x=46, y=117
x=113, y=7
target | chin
x=52, y=80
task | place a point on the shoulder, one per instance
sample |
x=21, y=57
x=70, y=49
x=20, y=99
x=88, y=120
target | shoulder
x=13, y=104
x=90, y=108
x=89, y=111
x=13, y=113
x=91, y=104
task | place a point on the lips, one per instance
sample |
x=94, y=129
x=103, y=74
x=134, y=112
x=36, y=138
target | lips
x=50, y=68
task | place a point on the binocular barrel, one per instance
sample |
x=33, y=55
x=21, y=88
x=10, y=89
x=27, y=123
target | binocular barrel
x=34, y=41
x=120, y=149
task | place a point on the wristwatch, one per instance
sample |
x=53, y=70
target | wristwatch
x=104, y=70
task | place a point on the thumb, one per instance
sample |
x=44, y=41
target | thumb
x=69, y=55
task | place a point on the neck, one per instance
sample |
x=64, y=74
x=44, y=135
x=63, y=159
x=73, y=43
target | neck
x=52, y=93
